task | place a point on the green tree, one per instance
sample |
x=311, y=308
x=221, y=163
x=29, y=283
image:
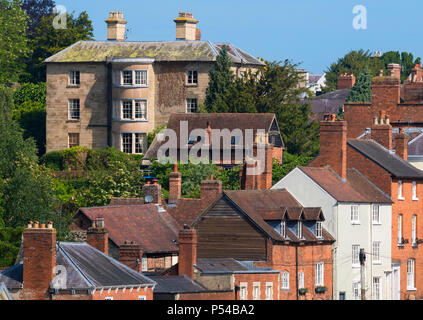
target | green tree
x=220, y=84
x=26, y=186
x=291, y=161
x=36, y=10
x=47, y=41
x=362, y=90
x=30, y=112
x=13, y=41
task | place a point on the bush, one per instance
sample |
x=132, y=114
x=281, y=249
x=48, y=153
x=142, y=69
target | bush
x=53, y=160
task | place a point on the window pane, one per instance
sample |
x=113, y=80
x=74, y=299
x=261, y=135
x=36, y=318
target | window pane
x=74, y=77
x=355, y=254
x=74, y=109
x=191, y=105
x=139, y=142
x=127, y=109
x=127, y=142
x=141, y=77
x=73, y=140
x=141, y=109
x=127, y=77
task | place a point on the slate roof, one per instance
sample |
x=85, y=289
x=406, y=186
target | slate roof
x=86, y=268
x=396, y=166
x=230, y=265
x=153, y=229
x=328, y=103
x=357, y=188
x=176, y=284
x=230, y=121
x=99, y=51
x=313, y=78
x=252, y=202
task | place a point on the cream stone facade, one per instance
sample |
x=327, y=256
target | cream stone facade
x=113, y=93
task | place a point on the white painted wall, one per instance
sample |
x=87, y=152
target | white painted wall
x=338, y=223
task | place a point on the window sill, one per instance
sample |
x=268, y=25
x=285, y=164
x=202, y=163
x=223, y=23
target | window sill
x=130, y=86
x=129, y=120
x=355, y=223
x=401, y=199
x=377, y=262
x=73, y=120
x=189, y=85
x=356, y=266
x=377, y=223
x=415, y=199
x=73, y=86
x=401, y=245
x=285, y=289
x=411, y=289
x=414, y=245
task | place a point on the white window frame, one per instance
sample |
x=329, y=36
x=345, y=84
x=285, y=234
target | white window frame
x=320, y=274
x=269, y=290
x=143, y=77
x=355, y=214
x=109, y=298
x=319, y=229
x=283, y=228
x=301, y=284
x=376, y=214
x=285, y=281
x=142, y=297
x=75, y=134
x=400, y=229
x=189, y=102
x=414, y=229
x=376, y=252
x=133, y=109
x=133, y=142
x=243, y=291
x=74, y=78
x=415, y=198
x=190, y=74
x=256, y=291
x=411, y=274
x=400, y=194
x=355, y=256
x=356, y=290
x=377, y=288
x=134, y=78
x=72, y=109
x=299, y=229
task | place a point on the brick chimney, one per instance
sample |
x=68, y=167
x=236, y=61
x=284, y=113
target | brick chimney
x=385, y=94
x=381, y=130
x=417, y=73
x=175, y=185
x=210, y=189
x=98, y=236
x=39, y=260
x=333, y=145
x=346, y=81
x=394, y=70
x=187, y=251
x=154, y=191
x=401, y=144
x=186, y=27
x=130, y=254
x=116, y=26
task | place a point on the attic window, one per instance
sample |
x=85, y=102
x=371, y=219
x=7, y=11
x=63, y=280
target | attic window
x=318, y=229
x=283, y=229
x=299, y=230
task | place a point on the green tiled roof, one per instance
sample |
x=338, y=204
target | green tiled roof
x=99, y=51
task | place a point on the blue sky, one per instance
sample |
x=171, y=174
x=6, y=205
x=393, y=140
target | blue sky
x=313, y=32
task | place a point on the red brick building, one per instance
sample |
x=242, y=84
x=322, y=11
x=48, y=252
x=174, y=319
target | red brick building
x=375, y=158
x=51, y=270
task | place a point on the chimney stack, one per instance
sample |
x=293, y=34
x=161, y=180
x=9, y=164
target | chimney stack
x=186, y=27
x=401, y=144
x=154, y=191
x=130, y=254
x=210, y=189
x=381, y=130
x=116, y=26
x=187, y=251
x=98, y=236
x=333, y=145
x=39, y=260
x=175, y=185
x=394, y=70
x=346, y=81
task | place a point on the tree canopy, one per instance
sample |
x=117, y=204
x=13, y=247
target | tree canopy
x=362, y=90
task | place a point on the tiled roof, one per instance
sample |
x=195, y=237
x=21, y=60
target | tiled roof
x=230, y=121
x=252, y=203
x=389, y=161
x=229, y=265
x=176, y=284
x=99, y=51
x=154, y=230
x=186, y=211
x=356, y=189
x=86, y=268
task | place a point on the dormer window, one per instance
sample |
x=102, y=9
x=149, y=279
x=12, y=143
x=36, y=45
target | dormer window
x=299, y=230
x=318, y=229
x=283, y=228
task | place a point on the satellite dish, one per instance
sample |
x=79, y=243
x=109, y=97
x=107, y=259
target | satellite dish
x=148, y=199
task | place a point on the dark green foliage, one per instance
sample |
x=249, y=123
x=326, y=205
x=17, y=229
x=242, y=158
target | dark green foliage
x=36, y=9
x=152, y=134
x=291, y=161
x=355, y=61
x=14, y=47
x=220, y=84
x=10, y=241
x=47, y=41
x=362, y=90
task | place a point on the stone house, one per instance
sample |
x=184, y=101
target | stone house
x=114, y=92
